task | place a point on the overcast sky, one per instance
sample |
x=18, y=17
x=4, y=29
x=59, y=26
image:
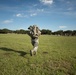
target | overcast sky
x=47, y=14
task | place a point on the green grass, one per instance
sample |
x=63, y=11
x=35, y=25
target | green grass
x=56, y=55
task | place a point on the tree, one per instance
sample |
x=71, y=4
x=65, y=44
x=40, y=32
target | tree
x=5, y=31
x=60, y=32
x=74, y=33
x=44, y=31
x=68, y=33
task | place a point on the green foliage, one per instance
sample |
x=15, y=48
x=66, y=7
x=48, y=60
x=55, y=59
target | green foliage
x=43, y=32
x=56, y=55
x=5, y=31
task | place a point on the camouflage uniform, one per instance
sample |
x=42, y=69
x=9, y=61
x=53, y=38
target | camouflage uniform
x=34, y=34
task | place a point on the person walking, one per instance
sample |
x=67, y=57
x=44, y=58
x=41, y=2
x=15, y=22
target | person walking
x=34, y=33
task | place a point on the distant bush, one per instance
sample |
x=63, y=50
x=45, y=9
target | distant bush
x=43, y=32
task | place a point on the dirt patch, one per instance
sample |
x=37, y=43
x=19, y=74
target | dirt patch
x=45, y=52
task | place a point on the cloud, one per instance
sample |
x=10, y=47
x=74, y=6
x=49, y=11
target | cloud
x=35, y=5
x=40, y=10
x=70, y=13
x=70, y=8
x=68, y=2
x=20, y=15
x=31, y=14
x=46, y=2
x=61, y=27
x=7, y=21
x=21, y=28
x=34, y=14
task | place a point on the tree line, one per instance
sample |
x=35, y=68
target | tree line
x=43, y=32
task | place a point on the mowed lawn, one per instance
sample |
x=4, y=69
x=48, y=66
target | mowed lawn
x=56, y=55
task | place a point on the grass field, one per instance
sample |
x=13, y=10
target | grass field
x=56, y=55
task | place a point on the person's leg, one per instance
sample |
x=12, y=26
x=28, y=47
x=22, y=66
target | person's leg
x=34, y=50
x=35, y=43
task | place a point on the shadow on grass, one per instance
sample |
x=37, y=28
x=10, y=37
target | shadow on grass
x=22, y=53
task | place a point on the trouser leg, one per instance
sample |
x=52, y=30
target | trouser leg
x=35, y=47
x=34, y=50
